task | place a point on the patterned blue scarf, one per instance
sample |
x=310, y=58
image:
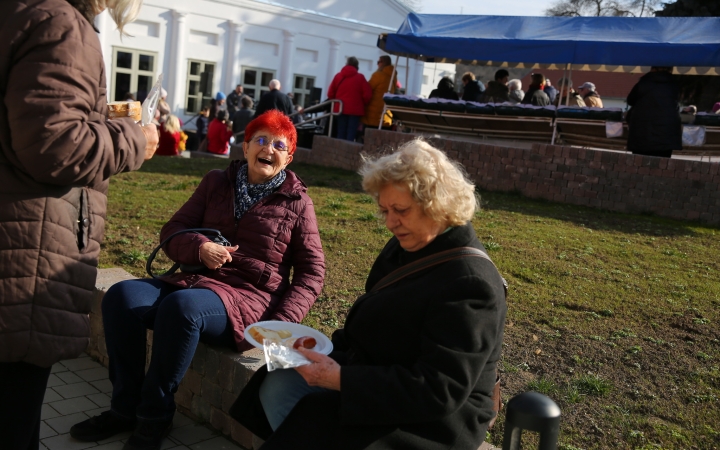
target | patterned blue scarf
x=248, y=194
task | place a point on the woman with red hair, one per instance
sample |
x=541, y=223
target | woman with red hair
x=263, y=209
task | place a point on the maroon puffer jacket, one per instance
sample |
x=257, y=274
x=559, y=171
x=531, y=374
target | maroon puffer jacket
x=352, y=88
x=278, y=233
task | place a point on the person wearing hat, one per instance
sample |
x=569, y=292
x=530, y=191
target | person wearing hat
x=216, y=104
x=589, y=95
x=163, y=108
x=565, y=87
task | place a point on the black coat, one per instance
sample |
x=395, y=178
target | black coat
x=418, y=361
x=473, y=91
x=496, y=92
x=274, y=100
x=535, y=96
x=241, y=119
x=653, y=120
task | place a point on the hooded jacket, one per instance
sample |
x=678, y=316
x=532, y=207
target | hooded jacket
x=352, y=88
x=473, y=91
x=275, y=235
x=57, y=152
x=379, y=83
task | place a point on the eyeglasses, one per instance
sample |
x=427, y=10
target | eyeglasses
x=277, y=144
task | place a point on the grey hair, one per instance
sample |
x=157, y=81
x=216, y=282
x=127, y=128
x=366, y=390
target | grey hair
x=438, y=184
x=122, y=11
x=515, y=84
x=274, y=84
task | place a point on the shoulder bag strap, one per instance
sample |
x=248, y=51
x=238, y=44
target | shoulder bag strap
x=429, y=261
x=210, y=232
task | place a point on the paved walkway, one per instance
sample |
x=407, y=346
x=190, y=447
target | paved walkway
x=80, y=388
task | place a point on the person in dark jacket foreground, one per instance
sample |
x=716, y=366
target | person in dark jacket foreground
x=473, y=89
x=58, y=151
x=445, y=89
x=263, y=210
x=414, y=367
x=535, y=95
x=654, y=125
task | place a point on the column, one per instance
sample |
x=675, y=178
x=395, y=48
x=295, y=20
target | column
x=176, y=89
x=101, y=23
x=332, y=63
x=231, y=64
x=417, y=78
x=286, y=63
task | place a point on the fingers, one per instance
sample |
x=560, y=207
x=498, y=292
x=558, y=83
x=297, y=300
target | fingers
x=314, y=356
x=151, y=135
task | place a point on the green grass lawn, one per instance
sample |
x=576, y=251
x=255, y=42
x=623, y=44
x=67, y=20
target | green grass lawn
x=614, y=316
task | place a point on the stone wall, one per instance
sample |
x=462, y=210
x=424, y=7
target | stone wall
x=211, y=384
x=613, y=181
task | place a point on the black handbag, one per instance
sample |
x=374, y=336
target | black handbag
x=213, y=234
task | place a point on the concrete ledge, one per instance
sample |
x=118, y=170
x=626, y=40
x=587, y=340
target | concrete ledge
x=196, y=154
x=211, y=384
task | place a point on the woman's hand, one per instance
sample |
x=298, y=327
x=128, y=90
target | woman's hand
x=323, y=371
x=214, y=255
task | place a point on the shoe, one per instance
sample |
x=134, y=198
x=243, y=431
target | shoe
x=101, y=427
x=148, y=436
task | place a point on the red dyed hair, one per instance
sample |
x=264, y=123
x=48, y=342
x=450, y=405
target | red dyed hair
x=276, y=123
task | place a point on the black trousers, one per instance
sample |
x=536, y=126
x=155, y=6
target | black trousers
x=22, y=389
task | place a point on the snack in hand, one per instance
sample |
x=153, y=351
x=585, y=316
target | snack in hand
x=125, y=109
x=305, y=342
x=260, y=333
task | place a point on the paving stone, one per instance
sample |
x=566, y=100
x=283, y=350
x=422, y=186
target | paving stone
x=80, y=364
x=218, y=443
x=120, y=437
x=51, y=396
x=191, y=434
x=181, y=420
x=73, y=405
x=168, y=443
x=48, y=412
x=102, y=400
x=76, y=390
x=57, y=367
x=46, y=431
x=102, y=385
x=69, y=378
x=65, y=442
x=53, y=381
x=98, y=373
x=96, y=412
x=62, y=424
x=111, y=446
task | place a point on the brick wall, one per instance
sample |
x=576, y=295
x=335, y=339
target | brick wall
x=614, y=181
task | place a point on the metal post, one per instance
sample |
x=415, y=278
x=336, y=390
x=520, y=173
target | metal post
x=533, y=412
x=567, y=98
x=407, y=73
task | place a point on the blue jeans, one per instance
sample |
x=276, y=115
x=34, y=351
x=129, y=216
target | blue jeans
x=347, y=127
x=180, y=318
x=280, y=391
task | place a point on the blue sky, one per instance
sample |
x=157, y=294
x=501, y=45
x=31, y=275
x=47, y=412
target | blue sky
x=486, y=7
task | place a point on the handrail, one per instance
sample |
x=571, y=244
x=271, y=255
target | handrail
x=324, y=106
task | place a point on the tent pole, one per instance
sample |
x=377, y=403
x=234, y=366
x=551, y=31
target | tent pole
x=407, y=73
x=564, y=77
x=567, y=98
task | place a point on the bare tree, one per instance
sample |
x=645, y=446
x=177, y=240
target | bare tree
x=618, y=8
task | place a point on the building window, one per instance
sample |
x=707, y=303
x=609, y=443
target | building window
x=133, y=72
x=302, y=88
x=255, y=81
x=199, y=85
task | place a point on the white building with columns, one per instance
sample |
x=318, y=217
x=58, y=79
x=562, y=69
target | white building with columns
x=205, y=46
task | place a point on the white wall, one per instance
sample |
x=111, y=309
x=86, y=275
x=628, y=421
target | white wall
x=306, y=37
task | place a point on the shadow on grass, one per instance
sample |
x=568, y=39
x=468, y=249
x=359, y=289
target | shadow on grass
x=591, y=218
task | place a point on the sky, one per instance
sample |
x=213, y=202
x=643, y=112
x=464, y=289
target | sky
x=486, y=7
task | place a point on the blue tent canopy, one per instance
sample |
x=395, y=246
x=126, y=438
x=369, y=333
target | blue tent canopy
x=691, y=44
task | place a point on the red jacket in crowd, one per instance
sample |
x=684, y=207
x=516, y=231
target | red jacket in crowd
x=169, y=142
x=352, y=88
x=218, y=137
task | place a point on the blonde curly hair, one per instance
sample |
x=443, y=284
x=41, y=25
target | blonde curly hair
x=438, y=184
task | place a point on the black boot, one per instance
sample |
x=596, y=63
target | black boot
x=148, y=436
x=97, y=428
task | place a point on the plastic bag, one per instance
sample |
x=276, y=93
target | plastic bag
x=150, y=104
x=280, y=354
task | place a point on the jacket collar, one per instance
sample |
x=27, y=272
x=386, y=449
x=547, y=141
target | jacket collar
x=461, y=236
x=292, y=187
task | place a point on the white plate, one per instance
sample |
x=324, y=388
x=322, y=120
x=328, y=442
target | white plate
x=323, y=346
